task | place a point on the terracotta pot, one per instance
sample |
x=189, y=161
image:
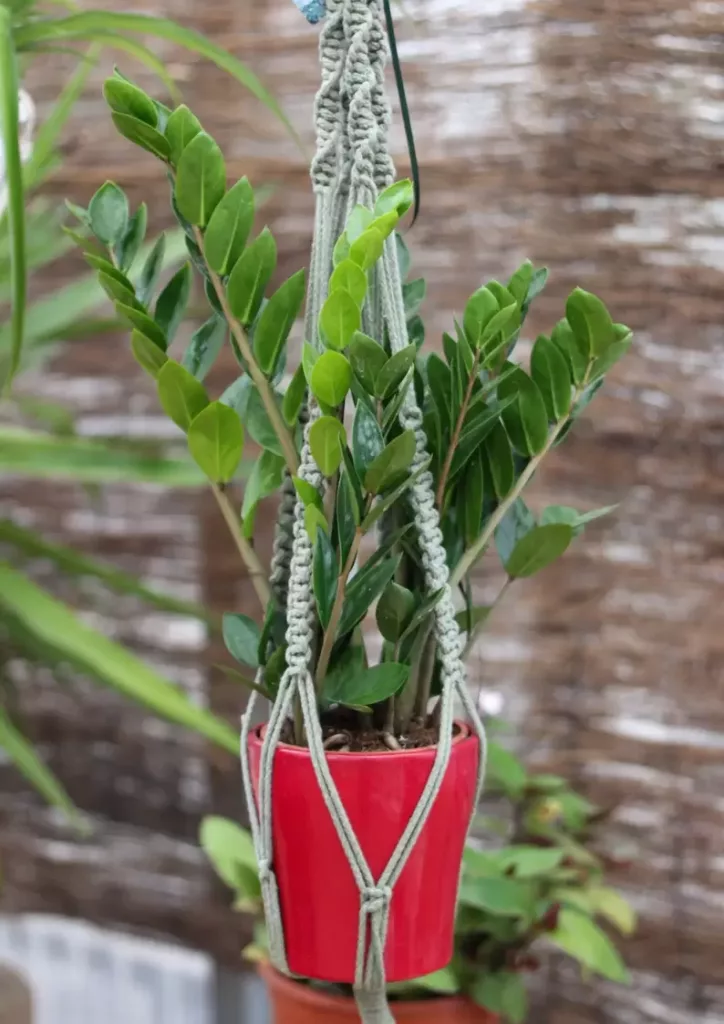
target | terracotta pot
x=294, y=1003
x=318, y=894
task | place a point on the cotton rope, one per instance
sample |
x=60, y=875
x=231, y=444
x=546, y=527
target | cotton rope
x=352, y=164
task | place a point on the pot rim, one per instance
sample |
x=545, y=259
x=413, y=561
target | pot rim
x=313, y=997
x=465, y=734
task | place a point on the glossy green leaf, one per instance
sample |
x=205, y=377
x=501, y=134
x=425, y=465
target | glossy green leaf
x=314, y=520
x=395, y=608
x=391, y=498
x=307, y=492
x=615, y=351
x=181, y=395
x=172, y=302
x=331, y=378
x=341, y=250
x=391, y=413
x=117, y=292
x=572, y=350
x=385, y=224
x=181, y=128
x=108, y=212
x=367, y=439
x=327, y=437
x=576, y=520
x=529, y=861
x=507, y=897
x=392, y=463
x=367, y=249
x=276, y=321
x=142, y=134
x=397, y=198
x=294, y=397
x=324, y=576
x=394, y=371
x=56, y=626
x=347, y=515
x=231, y=851
x=440, y=382
x=413, y=295
x=147, y=353
x=366, y=687
x=127, y=248
x=250, y=276
x=350, y=278
x=150, y=272
x=205, y=345
x=309, y=357
x=363, y=590
x=143, y=323
x=216, y=439
x=538, y=549
x=481, y=307
x=254, y=416
x=590, y=322
x=367, y=358
x=516, y=524
x=229, y=227
x=339, y=319
x=241, y=636
x=358, y=221
x=500, y=461
x=472, y=493
x=200, y=179
x=582, y=939
x=473, y=435
x=520, y=282
x=549, y=370
x=123, y=97
x=611, y=905
x=526, y=419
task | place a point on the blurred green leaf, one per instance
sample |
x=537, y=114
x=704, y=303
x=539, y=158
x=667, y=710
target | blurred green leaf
x=147, y=353
x=205, y=345
x=200, y=179
x=141, y=134
x=181, y=395
x=366, y=687
x=538, y=549
x=583, y=940
x=230, y=848
x=216, y=439
x=172, y=302
x=339, y=319
x=123, y=97
x=367, y=439
x=350, y=278
x=326, y=439
x=241, y=636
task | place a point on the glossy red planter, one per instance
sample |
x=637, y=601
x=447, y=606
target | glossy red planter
x=319, y=897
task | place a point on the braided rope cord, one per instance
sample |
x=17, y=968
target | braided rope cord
x=351, y=166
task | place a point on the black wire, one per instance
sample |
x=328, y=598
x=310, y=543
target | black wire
x=406, y=118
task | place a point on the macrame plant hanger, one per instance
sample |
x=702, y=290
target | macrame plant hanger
x=351, y=166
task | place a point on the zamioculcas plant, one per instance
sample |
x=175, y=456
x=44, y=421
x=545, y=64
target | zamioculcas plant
x=398, y=470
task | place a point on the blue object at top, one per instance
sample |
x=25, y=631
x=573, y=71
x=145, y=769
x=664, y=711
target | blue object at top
x=313, y=10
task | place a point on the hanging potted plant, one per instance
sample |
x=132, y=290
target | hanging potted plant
x=541, y=886
x=397, y=471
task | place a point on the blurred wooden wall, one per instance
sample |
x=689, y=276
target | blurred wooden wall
x=588, y=135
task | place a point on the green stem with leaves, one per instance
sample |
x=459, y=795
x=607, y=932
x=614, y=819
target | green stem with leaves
x=257, y=573
x=242, y=340
x=330, y=632
x=440, y=496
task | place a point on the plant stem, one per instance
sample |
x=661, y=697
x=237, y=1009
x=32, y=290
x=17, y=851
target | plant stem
x=424, y=684
x=249, y=556
x=330, y=633
x=242, y=340
x=440, y=496
x=477, y=549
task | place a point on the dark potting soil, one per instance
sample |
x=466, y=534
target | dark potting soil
x=343, y=732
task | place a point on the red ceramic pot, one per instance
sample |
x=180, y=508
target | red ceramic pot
x=319, y=897
x=294, y=1003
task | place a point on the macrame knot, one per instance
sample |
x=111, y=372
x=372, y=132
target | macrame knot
x=376, y=899
x=264, y=871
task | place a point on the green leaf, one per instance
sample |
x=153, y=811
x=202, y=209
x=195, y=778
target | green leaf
x=331, y=378
x=324, y=576
x=108, y=212
x=520, y=282
x=27, y=762
x=393, y=461
x=479, y=311
x=471, y=494
x=265, y=479
x=229, y=227
x=391, y=414
x=358, y=221
x=526, y=420
x=529, y=861
x=572, y=350
x=550, y=372
x=367, y=358
x=363, y=589
x=147, y=353
x=294, y=396
x=127, y=249
x=181, y=128
x=615, y=351
x=250, y=408
x=55, y=625
x=439, y=380
x=504, y=896
x=143, y=323
x=502, y=993
x=180, y=394
x=216, y=439
x=474, y=435
x=231, y=852
x=314, y=520
x=367, y=249
x=200, y=180
x=172, y=302
x=395, y=608
x=611, y=905
x=574, y=519
x=241, y=636
x=204, y=347
x=276, y=321
x=341, y=250
x=366, y=687
x=151, y=270
x=350, y=278
x=123, y=97
x=505, y=771
x=394, y=371
x=445, y=982
x=390, y=499
x=367, y=439
x=413, y=295
x=309, y=358
x=583, y=940
x=403, y=256
x=590, y=322
x=141, y=134
x=500, y=461
x=396, y=198
x=326, y=439
x=538, y=549
x=347, y=514
x=339, y=319
x=118, y=292
x=250, y=276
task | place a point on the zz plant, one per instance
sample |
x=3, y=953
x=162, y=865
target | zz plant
x=490, y=420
